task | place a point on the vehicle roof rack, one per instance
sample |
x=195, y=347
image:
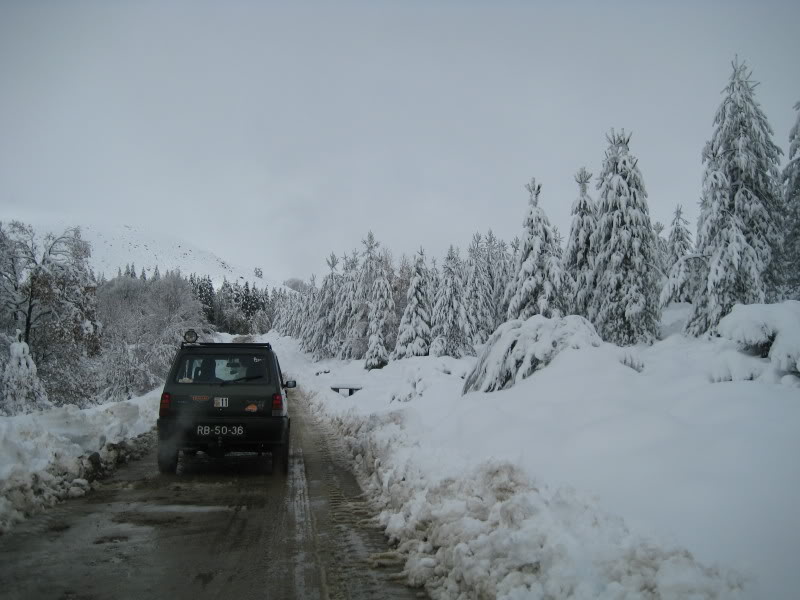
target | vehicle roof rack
x=254, y=345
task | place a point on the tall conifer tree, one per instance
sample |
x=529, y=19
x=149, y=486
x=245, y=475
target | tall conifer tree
x=414, y=335
x=538, y=287
x=451, y=328
x=742, y=149
x=624, y=306
x=791, y=180
x=381, y=313
x=578, y=259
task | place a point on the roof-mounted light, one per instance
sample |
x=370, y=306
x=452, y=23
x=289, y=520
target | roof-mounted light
x=190, y=337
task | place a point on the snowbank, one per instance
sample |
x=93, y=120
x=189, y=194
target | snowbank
x=774, y=328
x=50, y=455
x=512, y=493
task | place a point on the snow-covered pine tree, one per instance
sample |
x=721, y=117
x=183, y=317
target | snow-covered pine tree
x=156, y=274
x=381, y=313
x=662, y=249
x=578, y=259
x=558, y=243
x=294, y=316
x=494, y=275
x=386, y=261
x=450, y=325
x=791, y=180
x=742, y=147
x=400, y=286
x=726, y=269
x=515, y=246
x=682, y=282
x=205, y=294
x=307, y=322
x=262, y=320
x=624, y=306
x=512, y=261
x=357, y=340
x=539, y=284
x=679, y=243
x=280, y=314
x=470, y=282
x=483, y=296
x=414, y=335
x=22, y=390
x=324, y=334
x=346, y=302
x=503, y=271
x=251, y=302
x=433, y=282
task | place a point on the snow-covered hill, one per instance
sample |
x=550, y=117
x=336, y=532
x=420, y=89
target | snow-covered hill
x=114, y=246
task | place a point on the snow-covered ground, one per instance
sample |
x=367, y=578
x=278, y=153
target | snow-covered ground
x=656, y=472
x=590, y=479
x=50, y=455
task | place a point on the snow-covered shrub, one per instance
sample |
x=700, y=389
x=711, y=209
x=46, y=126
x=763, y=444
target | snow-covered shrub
x=518, y=348
x=631, y=360
x=22, y=390
x=438, y=347
x=771, y=329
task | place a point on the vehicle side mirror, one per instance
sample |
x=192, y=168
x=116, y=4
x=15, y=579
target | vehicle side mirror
x=290, y=384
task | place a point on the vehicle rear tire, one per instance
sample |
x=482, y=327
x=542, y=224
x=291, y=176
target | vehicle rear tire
x=167, y=458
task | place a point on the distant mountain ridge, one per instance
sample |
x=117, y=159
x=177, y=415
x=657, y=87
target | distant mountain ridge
x=115, y=246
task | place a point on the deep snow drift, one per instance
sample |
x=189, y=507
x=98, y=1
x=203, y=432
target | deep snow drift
x=655, y=472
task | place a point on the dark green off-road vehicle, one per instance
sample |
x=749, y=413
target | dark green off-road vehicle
x=221, y=398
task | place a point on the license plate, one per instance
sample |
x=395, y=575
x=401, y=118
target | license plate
x=234, y=430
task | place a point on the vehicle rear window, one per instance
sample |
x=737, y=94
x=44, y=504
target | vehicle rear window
x=216, y=368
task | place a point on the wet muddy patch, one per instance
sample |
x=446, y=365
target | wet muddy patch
x=149, y=519
x=111, y=539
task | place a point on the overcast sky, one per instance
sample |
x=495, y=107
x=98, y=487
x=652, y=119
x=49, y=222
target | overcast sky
x=274, y=135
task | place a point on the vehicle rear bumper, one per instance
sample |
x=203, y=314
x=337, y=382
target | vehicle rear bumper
x=260, y=434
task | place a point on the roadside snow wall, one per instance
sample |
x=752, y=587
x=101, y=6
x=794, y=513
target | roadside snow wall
x=55, y=454
x=494, y=533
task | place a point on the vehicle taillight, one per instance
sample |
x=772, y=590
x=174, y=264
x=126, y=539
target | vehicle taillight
x=277, y=405
x=163, y=409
